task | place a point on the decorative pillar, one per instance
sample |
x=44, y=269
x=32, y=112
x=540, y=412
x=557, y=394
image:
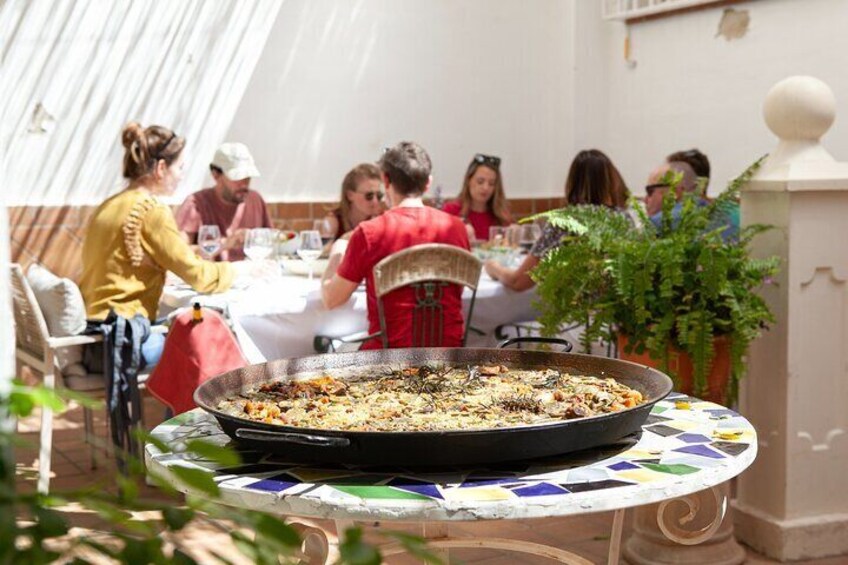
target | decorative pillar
x=793, y=501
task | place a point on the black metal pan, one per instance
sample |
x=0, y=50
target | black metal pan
x=442, y=447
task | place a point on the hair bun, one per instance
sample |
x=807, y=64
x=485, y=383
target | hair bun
x=132, y=132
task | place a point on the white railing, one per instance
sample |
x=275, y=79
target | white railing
x=629, y=9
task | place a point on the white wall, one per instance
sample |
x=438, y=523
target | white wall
x=532, y=82
x=339, y=80
x=692, y=88
x=94, y=65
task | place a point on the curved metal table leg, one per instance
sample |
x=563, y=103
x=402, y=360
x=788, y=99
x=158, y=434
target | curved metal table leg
x=683, y=536
x=316, y=546
x=532, y=548
x=436, y=535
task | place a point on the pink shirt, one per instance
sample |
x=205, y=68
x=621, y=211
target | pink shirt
x=204, y=207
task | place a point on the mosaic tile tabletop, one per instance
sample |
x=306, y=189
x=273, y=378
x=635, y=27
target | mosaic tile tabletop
x=686, y=445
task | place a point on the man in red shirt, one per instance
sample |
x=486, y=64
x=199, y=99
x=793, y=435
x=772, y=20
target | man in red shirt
x=230, y=204
x=406, y=176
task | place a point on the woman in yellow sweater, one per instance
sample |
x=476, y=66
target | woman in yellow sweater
x=132, y=239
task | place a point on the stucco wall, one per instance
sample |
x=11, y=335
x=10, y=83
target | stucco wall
x=690, y=87
x=338, y=81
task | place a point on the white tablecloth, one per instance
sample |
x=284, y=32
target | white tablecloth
x=279, y=318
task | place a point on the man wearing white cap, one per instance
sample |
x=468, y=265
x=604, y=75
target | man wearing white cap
x=230, y=204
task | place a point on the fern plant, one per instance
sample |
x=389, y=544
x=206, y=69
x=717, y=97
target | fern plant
x=679, y=285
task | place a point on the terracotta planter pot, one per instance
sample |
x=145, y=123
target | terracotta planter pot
x=680, y=363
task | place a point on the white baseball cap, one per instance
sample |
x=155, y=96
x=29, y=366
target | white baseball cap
x=235, y=160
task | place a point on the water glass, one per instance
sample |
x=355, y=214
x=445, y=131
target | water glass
x=497, y=236
x=209, y=240
x=259, y=243
x=310, y=248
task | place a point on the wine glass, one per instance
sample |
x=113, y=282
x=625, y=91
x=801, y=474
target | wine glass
x=528, y=234
x=325, y=228
x=209, y=240
x=497, y=236
x=310, y=248
x=258, y=243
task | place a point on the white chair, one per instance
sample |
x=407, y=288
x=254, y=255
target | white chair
x=36, y=348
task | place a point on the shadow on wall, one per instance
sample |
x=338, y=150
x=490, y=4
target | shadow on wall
x=95, y=66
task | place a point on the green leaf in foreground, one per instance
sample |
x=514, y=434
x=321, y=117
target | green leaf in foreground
x=50, y=523
x=143, y=436
x=177, y=518
x=197, y=479
x=223, y=455
x=45, y=397
x=181, y=558
x=276, y=530
x=354, y=551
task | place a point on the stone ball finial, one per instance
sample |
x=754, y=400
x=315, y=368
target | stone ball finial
x=800, y=108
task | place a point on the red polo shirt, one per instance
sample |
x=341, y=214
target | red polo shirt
x=397, y=229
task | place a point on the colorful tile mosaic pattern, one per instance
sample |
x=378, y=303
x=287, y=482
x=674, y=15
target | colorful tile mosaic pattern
x=686, y=445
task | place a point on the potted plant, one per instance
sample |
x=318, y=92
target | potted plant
x=673, y=297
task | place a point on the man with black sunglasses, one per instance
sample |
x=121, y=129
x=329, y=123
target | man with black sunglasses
x=695, y=170
x=406, y=176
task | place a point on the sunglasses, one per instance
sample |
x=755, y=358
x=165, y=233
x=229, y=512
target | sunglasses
x=490, y=160
x=649, y=189
x=372, y=194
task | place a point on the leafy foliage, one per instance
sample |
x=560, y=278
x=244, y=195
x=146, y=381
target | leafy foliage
x=30, y=523
x=677, y=285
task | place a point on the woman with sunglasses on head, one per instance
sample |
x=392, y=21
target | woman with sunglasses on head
x=482, y=203
x=592, y=180
x=361, y=199
x=132, y=239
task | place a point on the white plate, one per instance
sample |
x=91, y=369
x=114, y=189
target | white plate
x=299, y=267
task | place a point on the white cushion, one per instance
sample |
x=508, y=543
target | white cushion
x=60, y=301
x=63, y=308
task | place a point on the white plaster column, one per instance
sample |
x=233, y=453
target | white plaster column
x=793, y=501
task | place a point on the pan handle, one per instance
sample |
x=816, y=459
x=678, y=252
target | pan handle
x=302, y=439
x=566, y=345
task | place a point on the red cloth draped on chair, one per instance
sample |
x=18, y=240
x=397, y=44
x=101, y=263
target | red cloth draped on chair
x=194, y=352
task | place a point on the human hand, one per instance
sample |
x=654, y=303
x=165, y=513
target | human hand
x=472, y=235
x=492, y=268
x=251, y=271
x=235, y=240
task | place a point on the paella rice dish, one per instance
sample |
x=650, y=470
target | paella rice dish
x=430, y=398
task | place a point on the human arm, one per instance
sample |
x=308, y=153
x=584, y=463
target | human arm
x=335, y=289
x=188, y=219
x=472, y=234
x=166, y=246
x=266, y=215
x=333, y=223
x=515, y=279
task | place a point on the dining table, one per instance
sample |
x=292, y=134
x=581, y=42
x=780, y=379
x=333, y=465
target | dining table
x=686, y=448
x=278, y=317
